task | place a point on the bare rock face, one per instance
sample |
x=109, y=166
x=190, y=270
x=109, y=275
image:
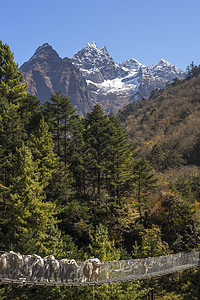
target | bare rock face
x=47, y=73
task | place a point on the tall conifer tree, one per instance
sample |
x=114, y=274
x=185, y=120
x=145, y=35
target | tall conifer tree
x=119, y=159
x=59, y=114
x=108, y=155
x=26, y=216
x=42, y=146
x=76, y=155
x=11, y=78
x=144, y=181
x=96, y=124
x=12, y=93
x=11, y=136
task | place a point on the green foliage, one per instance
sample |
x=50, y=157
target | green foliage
x=96, y=124
x=151, y=244
x=30, y=111
x=192, y=71
x=156, y=158
x=76, y=155
x=102, y=247
x=187, y=186
x=118, y=291
x=144, y=181
x=26, y=215
x=11, y=136
x=179, y=226
x=161, y=160
x=42, y=146
x=108, y=156
x=59, y=114
x=121, y=291
x=119, y=160
x=11, y=86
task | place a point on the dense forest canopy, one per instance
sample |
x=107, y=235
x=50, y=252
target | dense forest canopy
x=79, y=187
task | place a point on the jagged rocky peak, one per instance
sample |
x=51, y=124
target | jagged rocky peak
x=92, y=45
x=44, y=47
x=47, y=73
x=166, y=70
x=104, y=50
x=95, y=64
x=131, y=64
x=129, y=67
x=162, y=63
x=45, y=51
x=42, y=54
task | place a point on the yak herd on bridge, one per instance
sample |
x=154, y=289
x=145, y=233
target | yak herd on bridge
x=35, y=268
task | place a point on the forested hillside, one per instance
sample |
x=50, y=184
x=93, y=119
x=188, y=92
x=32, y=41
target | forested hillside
x=169, y=120
x=165, y=130
x=79, y=187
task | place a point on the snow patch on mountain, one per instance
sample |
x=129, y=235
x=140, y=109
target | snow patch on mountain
x=114, y=86
x=104, y=76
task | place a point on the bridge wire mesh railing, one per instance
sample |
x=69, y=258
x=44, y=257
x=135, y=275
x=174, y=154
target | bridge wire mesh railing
x=108, y=272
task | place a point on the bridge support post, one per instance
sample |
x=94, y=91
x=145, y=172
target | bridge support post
x=93, y=292
x=152, y=289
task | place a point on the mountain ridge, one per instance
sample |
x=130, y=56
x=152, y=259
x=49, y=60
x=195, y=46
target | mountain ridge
x=97, y=78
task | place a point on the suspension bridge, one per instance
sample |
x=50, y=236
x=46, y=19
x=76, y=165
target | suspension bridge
x=34, y=270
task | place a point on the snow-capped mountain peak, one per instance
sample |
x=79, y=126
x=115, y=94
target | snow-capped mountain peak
x=105, y=77
x=104, y=50
x=95, y=64
x=131, y=64
x=164, y=61
x=167, y=71
x=92, y=45
x=161, y=63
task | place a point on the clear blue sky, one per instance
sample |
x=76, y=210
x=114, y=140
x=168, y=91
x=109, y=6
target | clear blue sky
x=146, y=30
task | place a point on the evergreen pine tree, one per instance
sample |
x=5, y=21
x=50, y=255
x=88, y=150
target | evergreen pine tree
x=118, y=161
x=42, y=146
x=11, y=78
x=12, y=93
x=30, y=112
x=102, y=246
x=108, y=156
x=144, y=181
x=156, y=158
x=151, y=243
x=76, y=156
x=26, y=216
x=59, y=114
x=96, y=124
x=11, y=136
